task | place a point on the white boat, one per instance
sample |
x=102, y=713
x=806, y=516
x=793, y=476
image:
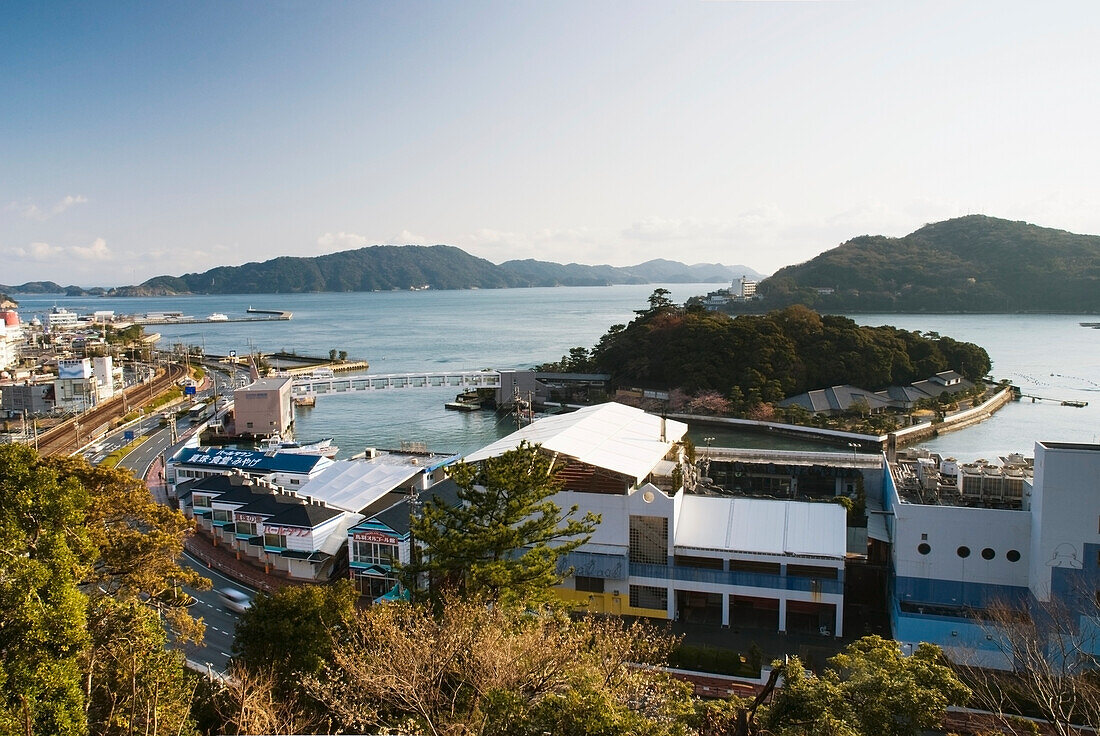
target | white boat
x=322, y=447
x=217, y=317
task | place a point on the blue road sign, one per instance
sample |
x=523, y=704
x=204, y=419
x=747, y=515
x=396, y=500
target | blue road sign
x=128, y=435
x=188, y=390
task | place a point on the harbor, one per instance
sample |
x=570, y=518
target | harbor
x=175, y=318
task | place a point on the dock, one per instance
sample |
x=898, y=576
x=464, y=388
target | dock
x=282, y=316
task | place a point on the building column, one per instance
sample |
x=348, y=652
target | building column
x=670, y=604
x=838, y=627
x=782, y=615
x=725, y=610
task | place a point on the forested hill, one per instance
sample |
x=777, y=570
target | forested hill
x=969, y=264
x=752, y=359
x=386, y=267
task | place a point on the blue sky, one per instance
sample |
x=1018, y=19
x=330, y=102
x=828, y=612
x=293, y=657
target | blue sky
x=152, y=137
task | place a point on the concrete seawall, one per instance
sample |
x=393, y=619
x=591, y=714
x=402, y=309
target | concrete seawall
x=902, y=437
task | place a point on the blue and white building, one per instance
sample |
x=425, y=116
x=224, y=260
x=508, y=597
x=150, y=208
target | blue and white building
x=967, y=538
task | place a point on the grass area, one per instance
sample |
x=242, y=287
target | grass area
x=115, y=457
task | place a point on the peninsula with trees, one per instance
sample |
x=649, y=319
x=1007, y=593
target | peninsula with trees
x=714, y=363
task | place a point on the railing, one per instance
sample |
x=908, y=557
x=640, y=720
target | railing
x=736, y=577
x=377, y=382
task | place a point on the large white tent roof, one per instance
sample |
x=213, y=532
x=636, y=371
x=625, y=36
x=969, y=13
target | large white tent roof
x=351, y=485
x=612, y=436
x=762, y=526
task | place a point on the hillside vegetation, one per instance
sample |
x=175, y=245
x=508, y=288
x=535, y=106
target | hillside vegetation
x=388, y=267
x=752, y=359
x=969, y=264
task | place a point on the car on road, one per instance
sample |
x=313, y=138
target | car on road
x=235, y=600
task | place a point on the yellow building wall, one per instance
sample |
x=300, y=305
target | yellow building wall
x=618, y=605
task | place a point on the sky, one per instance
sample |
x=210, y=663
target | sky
x=148, y=138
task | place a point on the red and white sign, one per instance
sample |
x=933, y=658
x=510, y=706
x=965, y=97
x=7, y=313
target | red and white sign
x=376, y=537
x=249, y=518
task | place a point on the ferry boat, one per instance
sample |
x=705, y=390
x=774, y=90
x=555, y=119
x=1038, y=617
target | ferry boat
x=322, y=447
x=217, y=317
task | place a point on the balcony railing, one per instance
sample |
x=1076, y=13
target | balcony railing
x=731, y=577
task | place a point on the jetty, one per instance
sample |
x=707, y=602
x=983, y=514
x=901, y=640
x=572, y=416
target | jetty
x=279, y=313
x=219, y=320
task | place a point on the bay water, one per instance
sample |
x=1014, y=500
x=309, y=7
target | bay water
x=1049, y=356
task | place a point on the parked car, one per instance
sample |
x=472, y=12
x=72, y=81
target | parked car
x=235, y=600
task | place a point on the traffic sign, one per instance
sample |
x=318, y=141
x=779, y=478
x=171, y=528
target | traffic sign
x=188, y=390
x=232, y=353
x=128, y=435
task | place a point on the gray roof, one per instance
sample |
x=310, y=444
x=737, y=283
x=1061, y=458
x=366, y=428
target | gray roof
x=396, y=517
x=835, y=398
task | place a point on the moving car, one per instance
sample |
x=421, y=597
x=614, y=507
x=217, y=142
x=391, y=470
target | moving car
x=235, y=600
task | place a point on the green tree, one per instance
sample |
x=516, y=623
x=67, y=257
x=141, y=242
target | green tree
x=87, y=575
x=504, y=539
x=44, y=547
x=290, y=632
x=870, y=689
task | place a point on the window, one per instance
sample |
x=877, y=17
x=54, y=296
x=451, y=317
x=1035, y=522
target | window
x=648, y=596
x=765, y=568
x=373, y=553
x=706, y=563
x=249, y=425
x=812, y=571
x=200, y=502
x=586, y=584
x=963, y=551
x=294, y=482
x=1012, y=555
x=275, y=540
x=246, y=527
x=224, y=515
x=924, y=548
x=649, y=540
x=988, y=553
x=374, y=587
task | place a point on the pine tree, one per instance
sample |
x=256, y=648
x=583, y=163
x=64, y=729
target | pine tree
x=504, y=539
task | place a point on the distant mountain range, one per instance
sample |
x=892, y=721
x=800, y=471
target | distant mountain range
x=390, y=267
x=969, y=264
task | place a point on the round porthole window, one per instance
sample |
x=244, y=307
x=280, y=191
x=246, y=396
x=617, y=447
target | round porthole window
x=1012, y=555
x=988, y=553
x=924, y=548
x=648, y=496
x=963, y=551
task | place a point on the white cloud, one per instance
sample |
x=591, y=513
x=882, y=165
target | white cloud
x=97, y=251
x=31, y=211
x=68, y=202
x=40, y=252
x=341, y=241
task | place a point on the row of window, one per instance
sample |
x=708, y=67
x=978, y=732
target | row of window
x=373, y=553
x=987, y=554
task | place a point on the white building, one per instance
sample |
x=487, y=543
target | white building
x=11, y=338
x=663, y=553
x=76, y=388
x=961, y=547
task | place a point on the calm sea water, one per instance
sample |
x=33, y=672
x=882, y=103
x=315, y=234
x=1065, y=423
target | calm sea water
x=1048, y=355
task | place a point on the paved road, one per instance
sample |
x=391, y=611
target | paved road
x=220, y=622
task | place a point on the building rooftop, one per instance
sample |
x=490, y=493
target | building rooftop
x=354, y=484
x=762, y=526
x=228, y=458
x=612, y=436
